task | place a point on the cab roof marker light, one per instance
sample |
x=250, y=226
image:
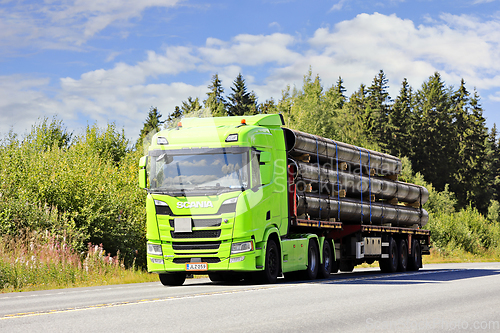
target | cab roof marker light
x=161, y=140
x=232, y=138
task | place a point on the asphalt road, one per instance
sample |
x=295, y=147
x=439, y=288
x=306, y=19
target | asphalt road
x=438, y=298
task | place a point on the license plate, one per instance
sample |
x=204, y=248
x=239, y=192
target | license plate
x=197, y=266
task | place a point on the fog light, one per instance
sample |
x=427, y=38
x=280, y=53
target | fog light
x=237, y=259
x=157, y=261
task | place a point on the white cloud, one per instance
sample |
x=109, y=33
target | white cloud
x=338, y=6
x=456, y=46
x=250, y=50
x=23, y=101
x=66, y=24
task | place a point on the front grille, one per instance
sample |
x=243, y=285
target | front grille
x=202, y=223
x=186, y=260
x=197, y=234
x=196, y=246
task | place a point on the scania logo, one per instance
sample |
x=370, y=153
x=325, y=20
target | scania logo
x=195, y=204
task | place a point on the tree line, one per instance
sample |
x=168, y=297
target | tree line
x=440, y=129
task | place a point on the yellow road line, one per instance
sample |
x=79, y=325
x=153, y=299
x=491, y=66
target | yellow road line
x=142, y=301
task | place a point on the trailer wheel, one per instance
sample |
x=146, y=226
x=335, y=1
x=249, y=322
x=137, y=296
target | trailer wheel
x=326, y=267
x=272, y=264
x=390, y=265
x=415, y=261
x=312, y=261
x=402, y=255
x=172, y=279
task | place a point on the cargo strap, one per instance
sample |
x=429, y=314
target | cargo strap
x=319, y=178
x=338, y=180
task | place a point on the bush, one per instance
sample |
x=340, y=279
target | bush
x=467, y=230
x=86, y=189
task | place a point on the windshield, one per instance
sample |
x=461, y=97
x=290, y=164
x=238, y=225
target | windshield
x=211, y=170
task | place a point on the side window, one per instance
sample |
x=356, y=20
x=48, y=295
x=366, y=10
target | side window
x=255, y=169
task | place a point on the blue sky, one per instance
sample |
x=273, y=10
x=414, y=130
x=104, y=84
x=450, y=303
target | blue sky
x=106, y=61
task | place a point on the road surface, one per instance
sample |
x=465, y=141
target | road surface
x=438, y=298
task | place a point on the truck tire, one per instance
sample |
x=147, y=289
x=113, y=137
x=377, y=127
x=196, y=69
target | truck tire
x=172, y=279
x=272, y=265
x=325, y=268
x=415, y=260
x=402, y=255
x=390, y=265
x=312, y=261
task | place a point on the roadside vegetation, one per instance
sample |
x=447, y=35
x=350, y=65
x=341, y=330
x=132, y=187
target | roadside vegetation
x=71, y=213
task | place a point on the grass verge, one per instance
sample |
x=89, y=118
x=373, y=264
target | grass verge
x=45, y=261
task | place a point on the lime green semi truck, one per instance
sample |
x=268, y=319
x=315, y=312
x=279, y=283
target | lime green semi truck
x=246, y=198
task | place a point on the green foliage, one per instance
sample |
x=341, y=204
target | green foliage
x=494, y=212
x=467, y=230
x=87, y=191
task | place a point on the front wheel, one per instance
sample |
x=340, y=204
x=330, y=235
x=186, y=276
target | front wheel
x=172, y=279
x=272, y=264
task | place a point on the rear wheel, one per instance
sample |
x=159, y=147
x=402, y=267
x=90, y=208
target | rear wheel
x=326, y=267
x=402, y=255
x=415, y=260
x=390, y=265
x=312, y=261
x=172, y=279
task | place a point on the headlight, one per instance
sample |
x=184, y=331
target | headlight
x=241, y=247
x=160, y=203
x=155, y=249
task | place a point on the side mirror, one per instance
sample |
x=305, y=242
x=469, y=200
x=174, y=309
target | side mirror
x=142, y=172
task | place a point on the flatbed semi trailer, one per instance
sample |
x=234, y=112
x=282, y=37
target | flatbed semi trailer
x=245, y=197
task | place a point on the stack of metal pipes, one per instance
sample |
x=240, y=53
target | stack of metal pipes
x=350, y=184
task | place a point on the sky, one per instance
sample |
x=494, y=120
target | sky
x=110, y=61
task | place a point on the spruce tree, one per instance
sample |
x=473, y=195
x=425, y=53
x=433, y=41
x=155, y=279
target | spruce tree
x=378, y=109
x=241, y=101
x=401, y=121
x=432, y=144
x=152, y=124
x=215, y=100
